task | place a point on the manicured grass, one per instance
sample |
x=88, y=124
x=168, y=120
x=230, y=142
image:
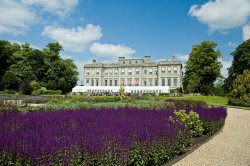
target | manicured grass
x=213, y=100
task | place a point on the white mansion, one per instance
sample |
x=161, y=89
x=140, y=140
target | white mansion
x=135, y=74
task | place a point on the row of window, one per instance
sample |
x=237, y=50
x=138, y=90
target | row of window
x=145, y=82
x=129, y=71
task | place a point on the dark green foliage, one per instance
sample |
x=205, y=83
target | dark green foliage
x=241, y=62
x=202, y=68
x=240, y=93
x=211, y=127
x=25, y=87
x=23, y=63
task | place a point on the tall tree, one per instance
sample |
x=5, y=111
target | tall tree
x=202, y=68
x=241, y=62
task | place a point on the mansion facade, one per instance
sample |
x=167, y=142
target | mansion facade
x=134, y=72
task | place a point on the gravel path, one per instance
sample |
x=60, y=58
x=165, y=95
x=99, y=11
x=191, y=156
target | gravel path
x=231, y=147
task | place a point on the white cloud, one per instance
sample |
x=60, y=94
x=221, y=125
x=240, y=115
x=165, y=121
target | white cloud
x=57, y=7
x=222, y=14
x=74, y=39
x=110, y=50
x=225, y=65
x=15, y=18
x=246, y=32
x=232, y=44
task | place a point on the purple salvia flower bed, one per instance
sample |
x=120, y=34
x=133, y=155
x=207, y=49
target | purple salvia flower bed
x=210, y=114
x=40, y=136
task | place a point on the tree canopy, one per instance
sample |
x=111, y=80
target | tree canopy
x=21, y=64
x=241, y=62
x=202, y=68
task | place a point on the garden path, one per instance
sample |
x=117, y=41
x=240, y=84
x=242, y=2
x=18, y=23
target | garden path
x=230, y=147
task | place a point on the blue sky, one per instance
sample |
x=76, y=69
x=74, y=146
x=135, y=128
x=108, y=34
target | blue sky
x=107, y=29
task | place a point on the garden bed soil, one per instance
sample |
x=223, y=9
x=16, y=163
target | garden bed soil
x=196, y=143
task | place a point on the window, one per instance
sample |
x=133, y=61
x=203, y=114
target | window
x=92, y=82
x=129, y=62
x=145, y=71
x=175, y=70
x=106, y=71
x=110, y=71
x=97, y=82
x=106, y=82
x=150, y=82
x=156, y=71
x=116, y=71
x=162, y=70
x=163, y=82
x=97, y=71
x=169, y=69
x=144, y=82
x=136, y=81
x=129, y=81
x=169, y=81
x=122, y=81
x=123, y=71
x=129, y=71
x=87, y=72
x=156, y=82
x=87, y=81
x=116, y=83
x=137, y=71
x=150, y=71
x=93, y=72
x=136, y=62
x=110, y=82
x=175, y=81
x=123, y=62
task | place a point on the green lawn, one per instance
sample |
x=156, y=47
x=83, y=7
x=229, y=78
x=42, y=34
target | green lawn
x=214, y=100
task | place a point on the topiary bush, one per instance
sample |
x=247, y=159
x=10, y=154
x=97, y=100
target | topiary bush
x=240, y=93
x=192, y=120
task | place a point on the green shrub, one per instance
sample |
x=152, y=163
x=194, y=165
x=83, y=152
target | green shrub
x=192, y=121
x=240, y=93
x=105, y=99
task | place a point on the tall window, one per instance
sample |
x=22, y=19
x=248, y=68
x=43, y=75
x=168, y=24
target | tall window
x=136, y=81
x=129, y=81
x=87, y=81
x=87, y=72
x=129, y=71
x=110, y=71
x=110, y=82
x=92, y=71
x=175, y=81
x=106, y=82
x=122, y=82
x=97, y=82
x=169, y=70
x=97, y=71
x=116, y=83
x=163, y=82
x=137, y=71
x=151, y=71
x=175, y=70
x=145, y=71
x=169, y=81
x=92, y=82
x=150, y=82
x=163, y=70
x=123, y=71
x=144, y=82
x=156, y=82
